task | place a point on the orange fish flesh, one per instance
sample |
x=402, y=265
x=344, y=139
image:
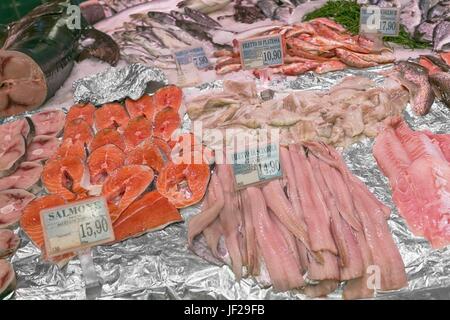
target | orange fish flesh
x=111, y=115
x=141, y=107
x=81, y=111
x=107, y=136
x=166, y=122
x=103, y=161
x=78, y=130
x=169, y=96
x=137, y=130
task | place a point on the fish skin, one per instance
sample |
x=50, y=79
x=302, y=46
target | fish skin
x=441, y=84
x=162, y=17
x=441, y=36
x=267, y=7
x=201, y=18
x=410, y=15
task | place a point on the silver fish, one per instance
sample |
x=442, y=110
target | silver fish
x=439, y=12
x=414, y=78
x=201, y=18
x=410, y=15
x=168, y=39
x=425, y=30
x=441, y=36
x=179, y=15
x=267, y=7
x=162, y=17
x=441, y=86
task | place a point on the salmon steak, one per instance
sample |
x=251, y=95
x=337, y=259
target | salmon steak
x=30, y=221
x=124, y=185
x=166, y=122
x=169, y=96
x=141, y=107
x=107, y=136
x=111, y=115
x=103, y=161
x=78, y=130
x=81, y=111
x=149, y=213
x=137, y=130
x=42, y=148
x=49, y=122
x=153, y=152
x=183, y=184
x=64, y=177
x=70, y=148
x=25, y=177
x=12, y=203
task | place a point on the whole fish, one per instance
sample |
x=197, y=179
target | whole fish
x=162, y=17
x=441, y=36
x=197, y=31
x=410, y=15
x=201, y=18
x=441, y=85
x=267, y=7
x=439, y=12
x=169, y=39
x=179, y=15
x=414, y=78
x=205, y=6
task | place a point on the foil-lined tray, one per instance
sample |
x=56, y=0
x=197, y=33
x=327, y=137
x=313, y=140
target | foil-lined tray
x=159, y=265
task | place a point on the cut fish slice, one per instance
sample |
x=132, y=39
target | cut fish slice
x=81, y=111
x=11, y=155
x=183, y=184
x=169, y=96
x=156, y=153
x=166, y=122
x=107, y=136
x=11, y=130
x=26, y=176
x=78, y=130
x=111, y=115
x=49, y=122
x=64, y=177
x=137, y=130
x=124, y=185
x=7, y=280
x=70, y=148
x=30, y=221
x=149, y=213
x=9, y=242
x=12, y=203
x=42, y=148
x=103, y=161
x=142, y=107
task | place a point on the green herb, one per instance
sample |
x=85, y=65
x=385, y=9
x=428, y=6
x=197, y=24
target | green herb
x=347, y=13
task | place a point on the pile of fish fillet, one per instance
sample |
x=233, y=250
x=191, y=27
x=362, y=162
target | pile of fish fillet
x=417, y=166
x=314, y=229
x=320, y=45
x=347, y=112
x=123, y=153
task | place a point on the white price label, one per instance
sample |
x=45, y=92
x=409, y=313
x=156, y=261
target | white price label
x=256, y=165
x=262, y=52
x=76, y=226
x=374, y=19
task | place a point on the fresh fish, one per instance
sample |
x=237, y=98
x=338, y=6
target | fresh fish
x=149, y=213
x=26, y=176
x=111, y=115
x=124, y=186
x=440, y=11
x=78, y=130
x=441, y=85
x=179, y=15
x=7, y=280
x=137, y=130
x=415, y=78
x=168, y=39
x=49, y=122
x=140, y=107
x=166, y=122
x=425, y=30
x=103, y=161
x=437, y=61
x=70, y=148
x=267, y=7
x=410, y=15
x=168, y=96
x=9, y=242
x=12, y=203
x=107, y=136
x=441, y=36
x=83, y=111
x=153, y=46
x=282, y=13
x=205, y=6
x=12, y=153
x=42, y=148
x=201, y=18
x=162, y=17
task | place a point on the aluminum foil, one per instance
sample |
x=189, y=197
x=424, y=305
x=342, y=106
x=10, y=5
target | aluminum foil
x=159, y=265
x=118, y=83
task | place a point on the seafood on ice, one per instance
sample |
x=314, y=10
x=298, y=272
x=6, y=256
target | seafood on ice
x=320, y=45
x=313, y=229
x=417, y=166
x=347, y=112
x=123, y=152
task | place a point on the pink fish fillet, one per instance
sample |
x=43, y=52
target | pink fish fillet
x=26, y=176
x=275, y=251
x=42, y=148
x=10, y=130
x=200, y=221
x=212, y=234
x=441, y=140
x=11, y=153
x=314, y=208
x=230, y=219
x=252, y=254
x=50, y=122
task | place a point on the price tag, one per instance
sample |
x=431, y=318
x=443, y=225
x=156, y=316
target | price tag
x=76, y=226
x=262, y=52
x=194, y=55
x=374, y=19
x=256, y=165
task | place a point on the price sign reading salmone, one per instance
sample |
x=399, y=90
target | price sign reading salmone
x=262, y=52
x=76, y=226
x=374, y=19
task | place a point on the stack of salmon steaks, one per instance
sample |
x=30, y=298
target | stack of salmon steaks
x=123, y=153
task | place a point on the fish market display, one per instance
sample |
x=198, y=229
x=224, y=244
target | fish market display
x=9, y=242
x=438, y=75
x=7, y=279
x=118, y=152
x=320, y=45
x=32, y=73
x=417, y=166
x=317, y=227
x=349, y=111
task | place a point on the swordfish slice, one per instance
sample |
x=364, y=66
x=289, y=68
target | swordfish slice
x=12, y=203
x=11, y=155
x=26, y=176
x=42, y=148
x=50, y=122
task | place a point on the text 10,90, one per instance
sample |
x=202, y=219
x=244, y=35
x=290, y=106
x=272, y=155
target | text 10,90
x=271, y=56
